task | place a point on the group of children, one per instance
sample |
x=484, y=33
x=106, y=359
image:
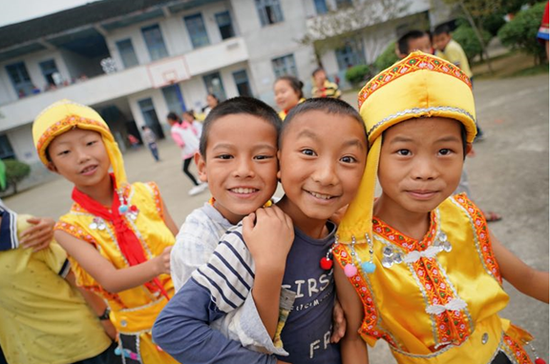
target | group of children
x=261, y=280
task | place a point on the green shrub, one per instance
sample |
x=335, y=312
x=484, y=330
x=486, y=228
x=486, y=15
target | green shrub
x=16, y=171
x=467, y=39
x=386, y=58
x=356, y=75
x=521, y=32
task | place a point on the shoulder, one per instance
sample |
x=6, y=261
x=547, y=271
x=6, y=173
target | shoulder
x=460, y=205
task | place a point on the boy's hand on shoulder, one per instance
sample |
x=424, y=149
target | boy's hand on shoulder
x=163, y=261
x=40, y=235
x=268, y=234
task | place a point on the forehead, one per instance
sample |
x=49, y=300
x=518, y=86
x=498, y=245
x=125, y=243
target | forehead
x=231, y=128
x=421, y=126
x=324, y=125
x=73, y=135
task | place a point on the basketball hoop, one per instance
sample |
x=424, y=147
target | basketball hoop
x=168, y=71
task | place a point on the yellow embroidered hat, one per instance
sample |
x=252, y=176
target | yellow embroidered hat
x=420, y=85
x=65, y=115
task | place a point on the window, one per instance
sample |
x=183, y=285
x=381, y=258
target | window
x=6, y=151
x=174, y=99
x=343, y=4
x=127, y=53
x=20, y=79
x=214, y=85
x=350, y=55
x=269, y=11
x=284, y=66
x=48, y=69
x=155, y=42
x=321, y=6
x=243, y=86
x=225, y=25
x=150, y=116
x=197, y=30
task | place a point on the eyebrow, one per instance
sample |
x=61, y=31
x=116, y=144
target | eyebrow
x=232, y=146
x=308, y=133
x=403, y=139
x=354, y=142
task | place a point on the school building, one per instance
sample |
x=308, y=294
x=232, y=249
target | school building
x=134, y=61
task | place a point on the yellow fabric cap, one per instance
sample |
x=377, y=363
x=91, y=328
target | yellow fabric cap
x=65, y=115
x=420, y=85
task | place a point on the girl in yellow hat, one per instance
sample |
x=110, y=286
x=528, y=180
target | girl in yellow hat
x=118, y=235
x=425, y=271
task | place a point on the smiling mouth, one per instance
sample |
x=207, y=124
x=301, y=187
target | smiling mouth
x=243, y=190
x=320, y=196
x=88, y=169
x=422, y=194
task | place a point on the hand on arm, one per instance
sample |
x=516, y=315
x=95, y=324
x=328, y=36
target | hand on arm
x=524, y=278
x=338, y=323
x=268, y=234
x=105, y=273
x=39, y=235
x=354, y=349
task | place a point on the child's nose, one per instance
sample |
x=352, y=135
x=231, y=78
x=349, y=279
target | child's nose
x=325, y=173
x=424, y=169
x=244, y=168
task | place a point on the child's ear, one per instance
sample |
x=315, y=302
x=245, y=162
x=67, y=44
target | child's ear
x=279, y=165
x=469, y=147
x=200, y=162
x=52, y=168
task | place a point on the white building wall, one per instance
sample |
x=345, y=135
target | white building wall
x=22, y=143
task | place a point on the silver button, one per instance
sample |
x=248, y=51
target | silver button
x=484, y=338
x=123, y=323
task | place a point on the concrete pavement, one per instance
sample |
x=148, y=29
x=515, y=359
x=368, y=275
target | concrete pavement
x=508, y=175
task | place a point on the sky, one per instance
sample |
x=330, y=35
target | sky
x=15, y=11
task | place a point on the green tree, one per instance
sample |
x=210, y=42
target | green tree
x=386, y=58
x=468, y=40
x=358, y=75
x=16, y=171
x=521, y=32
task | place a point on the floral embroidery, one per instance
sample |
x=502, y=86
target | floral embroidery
x=482, y=234
x=156, y=196
x=516, y=351
x=417, y=63
x=369, y=325
x=53, y=130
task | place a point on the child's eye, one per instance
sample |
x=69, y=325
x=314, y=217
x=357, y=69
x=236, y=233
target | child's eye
x=63, y=152
x=348, y=159
x=308, y=152
x=224, y=156
x=91, y=142
x=445, y=151
x=403, y=152
x=263, y=157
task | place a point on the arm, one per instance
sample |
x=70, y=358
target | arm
x=110, y=278
x=182, y=330
x=168, y=219
x=179, y=141
x=38, y=236
x=269, y=241
x=354, y=349
x=524, y=278
x=97, y=305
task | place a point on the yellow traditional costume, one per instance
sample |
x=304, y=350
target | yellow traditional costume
x=284, y=113
x=436, y=300
x=136, y=233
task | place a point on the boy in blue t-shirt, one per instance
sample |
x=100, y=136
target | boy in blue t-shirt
x=322, y=153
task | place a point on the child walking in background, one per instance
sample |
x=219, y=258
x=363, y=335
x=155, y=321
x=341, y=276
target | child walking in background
x=150, y=139
x=425, y=273
x=322, y=150
x=186, y=137
x=118, y=235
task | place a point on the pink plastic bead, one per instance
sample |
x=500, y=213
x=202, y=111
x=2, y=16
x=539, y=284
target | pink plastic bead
x=350, y=270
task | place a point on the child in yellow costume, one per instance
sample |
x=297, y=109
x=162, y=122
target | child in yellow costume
x=118, y=235
x=425, y=271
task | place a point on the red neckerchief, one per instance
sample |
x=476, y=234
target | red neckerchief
x=127, y=240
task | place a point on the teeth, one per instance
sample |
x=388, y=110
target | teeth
x=243, y=190
x=318, y=195
x=88, y=169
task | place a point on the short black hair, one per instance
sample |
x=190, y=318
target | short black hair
x=442, y=29
x=294, y=83
x=173, y=116
x=403, y=42
x=324, y=104
x=239, y=105
x=143, y=127
x=318, y=69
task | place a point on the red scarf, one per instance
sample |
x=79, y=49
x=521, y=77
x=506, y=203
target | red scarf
x=129, y=244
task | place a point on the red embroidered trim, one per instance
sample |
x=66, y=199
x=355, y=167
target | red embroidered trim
x=516, y=350
x=157, y=198
x=72, y=120
x=405, y=242
x=417, y=63
x=480, y=225
x=369, y=326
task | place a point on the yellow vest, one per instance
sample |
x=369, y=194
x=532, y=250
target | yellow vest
x=133, y=311
x=435, y=304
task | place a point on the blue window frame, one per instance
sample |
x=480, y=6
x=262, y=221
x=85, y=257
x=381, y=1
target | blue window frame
x=269, y=11
x=350, y=55
x=174, y=99
x=197, y=30
x=20, y=79
x=6, y=151
x=321, y=6
x=214, y=85
x=225, y=25
x=241, y=81
x=284, y=65
x=155, y=42
x=127, y=53
x=48, y=68
x=150, y=116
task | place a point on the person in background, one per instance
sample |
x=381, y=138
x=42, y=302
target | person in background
x=212, y=101
x=414, y=40
x=322, y=87
x=542, y=34
x=189, y=116
x=150, y=139
x=288, y=93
